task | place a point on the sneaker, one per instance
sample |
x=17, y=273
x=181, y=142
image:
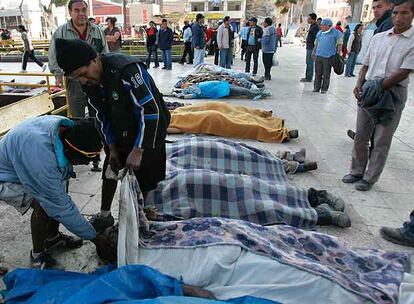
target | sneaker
x=351, y=134
x=43, y=261
x=100, y=223
x=316, y=90
x=394, y=235
x=323, y=92
x=363, y=185
x=163, y=68
x=327, y=216
x=334, y=202
x=23, y=71
x=305, y=80
x=64, y=242
x=44, y=67
x=350, y=179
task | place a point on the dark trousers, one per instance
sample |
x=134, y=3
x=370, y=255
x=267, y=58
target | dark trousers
x=310, y=63
x=408, y=228
x=350, y=64
x=322, y=73
x=243, y=48
x=267, y=62
x=216, y=55
x=31, y=55
x=255, y=54
x=279, y=40
x=187, y=51
x=150, y=50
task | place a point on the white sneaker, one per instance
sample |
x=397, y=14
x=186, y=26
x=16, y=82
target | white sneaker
x=44, y=67
x=23, y=71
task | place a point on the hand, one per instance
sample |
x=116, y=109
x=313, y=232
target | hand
x=197, y=47
x=313, y=56
x=59, y=82
x=114, y=160
x=134, y=160
x=358, y=92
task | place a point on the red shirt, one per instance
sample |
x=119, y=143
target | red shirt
x=82, y=36
x=279, y=31
x=339, y=28
x=151, y=31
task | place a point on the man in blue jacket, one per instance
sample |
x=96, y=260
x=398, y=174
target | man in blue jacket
x=36, y=159
x=164, y=41
x=198, y=40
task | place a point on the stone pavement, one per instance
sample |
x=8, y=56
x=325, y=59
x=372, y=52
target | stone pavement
x=322, y=121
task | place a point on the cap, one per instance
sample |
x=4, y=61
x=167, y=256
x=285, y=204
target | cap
x=326, y=21
x=253, y=19
x=65, y=50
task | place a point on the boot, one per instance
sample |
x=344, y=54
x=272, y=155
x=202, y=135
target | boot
x=319, y=197
x=300, y=156
x=327, y=216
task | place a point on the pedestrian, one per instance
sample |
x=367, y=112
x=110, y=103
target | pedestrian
x=36, y=161
x=225, y=39
x=388, y=64
x=133, y=114
x=347, y=34
x=165, y=39
x=113, y=35
x=6, y=35
x=214, y=45
x=243, y=35
x=279, y=34
x=28, y=50
x=353, y=48
x=319, y=21
x=382, y=10
x=254, y=34
x=310, y=45
x=152, y=34
x=268, y=46
x=328, y=42
x=198, y=40
x=187, y=34
x=338, y=26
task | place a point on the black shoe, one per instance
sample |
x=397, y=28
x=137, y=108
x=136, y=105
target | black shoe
x=310, y=166
x=191, y=63
x=268, y=78
x=43, y=261
x=96, y=168
x=305, y=80
x=350, y=179
x=323, y=92
x=180, y=62
x=334, y=202
x=100, y=223
x=351, y=134
x=316, y=90
x=293, y=134
x=156, y=66
x=352, y=75
x=327, y=216
x=395, y=236
x=363, y=185
x=163, y=68
x=63, y=242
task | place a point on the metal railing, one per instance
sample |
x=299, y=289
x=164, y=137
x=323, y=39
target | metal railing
x=47, y=85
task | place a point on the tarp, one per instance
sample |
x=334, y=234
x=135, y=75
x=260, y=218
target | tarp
x=128, y=284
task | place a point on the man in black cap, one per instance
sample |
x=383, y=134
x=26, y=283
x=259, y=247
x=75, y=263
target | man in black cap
x=254, y=35
x=131, y=110
x=36, y=160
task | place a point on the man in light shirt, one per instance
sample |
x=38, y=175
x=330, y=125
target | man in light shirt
x=187, y=34
x=390, y=58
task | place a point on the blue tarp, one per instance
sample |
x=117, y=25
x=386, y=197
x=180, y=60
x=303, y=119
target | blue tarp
x=128, y=284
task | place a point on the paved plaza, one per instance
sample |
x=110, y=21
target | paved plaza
x=322, y=121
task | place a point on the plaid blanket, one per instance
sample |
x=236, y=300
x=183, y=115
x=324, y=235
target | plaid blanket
x=219, y=178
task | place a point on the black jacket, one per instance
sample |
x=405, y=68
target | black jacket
x=258, y=33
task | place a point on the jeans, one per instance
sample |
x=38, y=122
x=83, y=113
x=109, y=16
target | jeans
x=350, y=64
x=323, y=68
x=255, y=54
x=198, y=56
x=152, y=49
x=166, y=58
x=408, y=227
x=309, y=65
x=225, y=58
x=278, y=40
x=267, y=62
x=31, y=55
x=187, y=50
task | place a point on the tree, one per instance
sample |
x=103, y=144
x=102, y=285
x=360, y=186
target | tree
x=356, y=9
x=47, y=12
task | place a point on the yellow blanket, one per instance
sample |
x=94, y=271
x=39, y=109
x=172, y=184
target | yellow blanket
x=223, y=119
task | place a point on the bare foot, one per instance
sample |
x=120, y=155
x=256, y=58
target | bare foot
x=194, y=291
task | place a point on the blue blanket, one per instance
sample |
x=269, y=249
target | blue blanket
x=129, y=284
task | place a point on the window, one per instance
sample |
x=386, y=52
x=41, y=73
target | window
x=234, y=6
x=215, y=6
x=197, y=7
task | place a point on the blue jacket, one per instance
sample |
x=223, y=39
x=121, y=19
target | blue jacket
x=269, y=40
x=31, y=154
x=198, y=36
x=165, y=39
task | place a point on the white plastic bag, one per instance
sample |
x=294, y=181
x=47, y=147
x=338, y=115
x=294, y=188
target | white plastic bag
x=129, y=220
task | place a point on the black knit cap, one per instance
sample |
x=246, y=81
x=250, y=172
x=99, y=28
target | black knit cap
x=84, y=135
x=72, y=54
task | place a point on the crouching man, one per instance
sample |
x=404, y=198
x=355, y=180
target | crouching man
x=131, y=110
x=36, y=159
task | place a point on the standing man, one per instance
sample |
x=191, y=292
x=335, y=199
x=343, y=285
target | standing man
x=198, y=40
x=279, y=34
x=187, y=34
x=224, y=43
x=353, y=48
x=132, y=112
x=268, y=46
x=243, y=35
x=77, y=27
x=165, y=39
x=390, y=59
x=310, y=45
x=328, y=42
x=254, y=34
x=382, y=10
x=152, y=34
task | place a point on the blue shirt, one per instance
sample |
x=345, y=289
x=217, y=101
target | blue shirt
x=243, y=32
x=187, y=34
x=251, y=38
x=327, y=42
x=269, y=40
